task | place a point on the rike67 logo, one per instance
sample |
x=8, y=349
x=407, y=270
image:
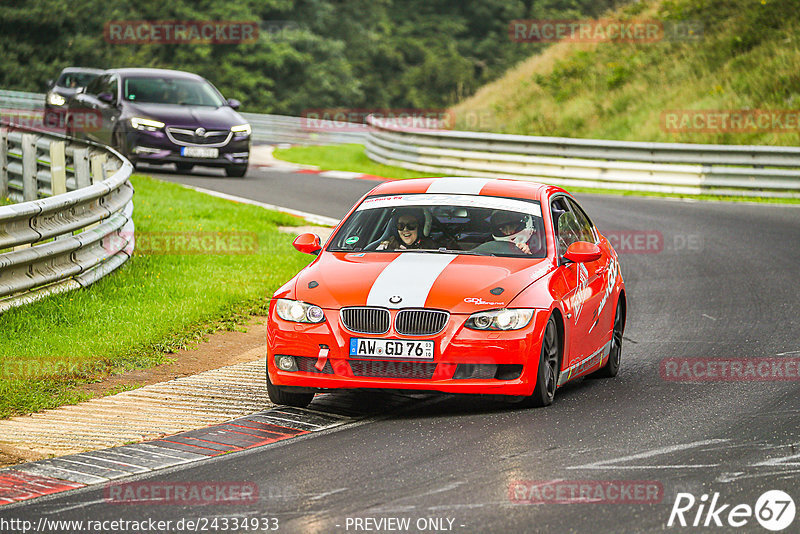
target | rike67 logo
x=774, y=510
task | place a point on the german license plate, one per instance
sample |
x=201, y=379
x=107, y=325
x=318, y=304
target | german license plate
x=199, y=152
x=391, y=348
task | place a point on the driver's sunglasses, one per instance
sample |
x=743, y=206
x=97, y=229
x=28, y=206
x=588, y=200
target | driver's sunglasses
x=402, y=226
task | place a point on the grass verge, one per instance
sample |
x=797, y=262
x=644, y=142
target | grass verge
x=155, y=304
x=349, y=157
x=326, y=156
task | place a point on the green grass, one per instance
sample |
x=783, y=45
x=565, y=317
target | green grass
x=356, y=152
x=748, y=57
x=350, y=157
x=154, y=305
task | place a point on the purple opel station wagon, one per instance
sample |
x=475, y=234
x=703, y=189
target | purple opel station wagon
x=163, y=116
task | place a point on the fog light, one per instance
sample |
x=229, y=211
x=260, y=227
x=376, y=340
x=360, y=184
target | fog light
x=285, y=363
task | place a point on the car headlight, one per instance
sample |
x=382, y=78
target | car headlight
x=146, y=124
x=55, y=99
x=242, y=129
x=505, y=319
x=299, y=312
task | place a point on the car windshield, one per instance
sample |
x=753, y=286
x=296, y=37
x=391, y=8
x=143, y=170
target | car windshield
x=171, y=91
x=444, y=224
x=75, y=79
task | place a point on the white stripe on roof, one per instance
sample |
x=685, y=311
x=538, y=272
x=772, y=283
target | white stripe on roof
x=464, y=186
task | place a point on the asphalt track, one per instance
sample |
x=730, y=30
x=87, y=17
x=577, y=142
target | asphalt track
x=721, y=284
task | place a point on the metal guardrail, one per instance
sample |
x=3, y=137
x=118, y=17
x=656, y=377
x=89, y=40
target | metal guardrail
x=74, y=222
x=303, y=131
x=682, y=168
x=272, y=129
x=21, y=100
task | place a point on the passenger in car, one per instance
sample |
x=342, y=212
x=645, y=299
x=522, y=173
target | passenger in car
x=408, y=232
x=512, y=233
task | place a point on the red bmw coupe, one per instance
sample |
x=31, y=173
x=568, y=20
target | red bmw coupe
x=457, y=285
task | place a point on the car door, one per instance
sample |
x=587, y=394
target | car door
x=584, y=284
x=601, y=282
x=108, y=112
x=83, y=109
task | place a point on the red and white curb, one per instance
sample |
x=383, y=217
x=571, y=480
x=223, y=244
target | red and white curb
x=344, y=175
x=28, y=481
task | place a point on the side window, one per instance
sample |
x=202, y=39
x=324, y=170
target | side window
x=586, y=232
x=94, y=87
x=564, y=223
x=112, y=88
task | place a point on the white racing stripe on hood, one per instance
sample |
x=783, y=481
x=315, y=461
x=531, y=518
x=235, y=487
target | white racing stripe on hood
x=410, y=276
x=464, y=186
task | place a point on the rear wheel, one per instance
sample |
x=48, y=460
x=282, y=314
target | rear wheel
x=279, y=395
x=549, y=364
x=611, y=368
x=236, y=171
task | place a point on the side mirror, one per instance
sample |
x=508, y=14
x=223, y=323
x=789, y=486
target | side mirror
x=108, y=98
x=583, y=252
x=233, y=103
x=308, y=243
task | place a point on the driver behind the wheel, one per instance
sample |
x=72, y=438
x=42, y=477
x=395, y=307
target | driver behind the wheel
x=408, y=231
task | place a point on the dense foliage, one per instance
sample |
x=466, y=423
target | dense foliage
x=330, y=53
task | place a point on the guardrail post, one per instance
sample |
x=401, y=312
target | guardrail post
x=30, y=184
x=3, y=163
x=58, y=168
x=80, y=160
x=98, y=168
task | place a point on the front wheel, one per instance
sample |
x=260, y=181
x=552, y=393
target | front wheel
x=549, y=364
x=611, y=368
x=279, y=395
x=236, y=171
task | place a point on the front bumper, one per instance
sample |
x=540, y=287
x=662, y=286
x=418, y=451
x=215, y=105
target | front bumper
x=453, y=346
x=157, y=148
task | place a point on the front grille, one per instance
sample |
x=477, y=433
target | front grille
x=307, y=365
x=420, y=322
x=366, y=320
x=186, y=137
x=392, y=369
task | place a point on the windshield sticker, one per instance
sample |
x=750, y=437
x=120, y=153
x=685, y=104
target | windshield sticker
x=351, y=240
x=473, y=201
